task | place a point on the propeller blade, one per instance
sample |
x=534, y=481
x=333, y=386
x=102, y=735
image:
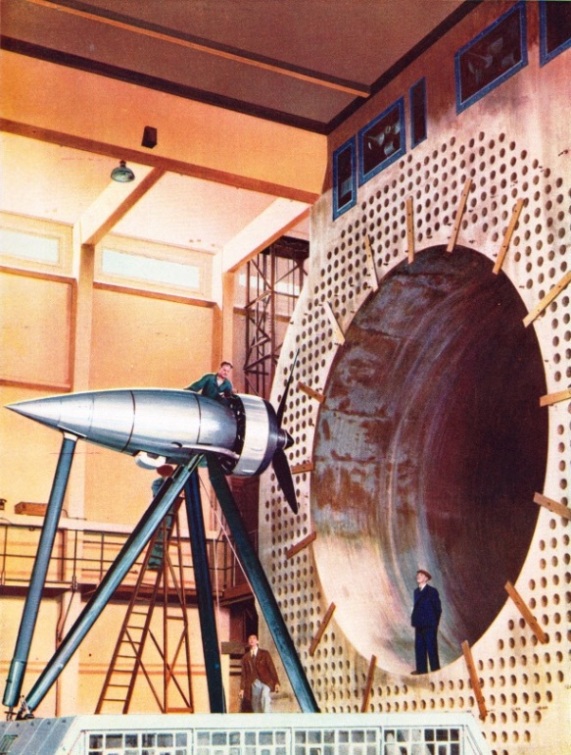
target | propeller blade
x=281, y=407
x=285, y=479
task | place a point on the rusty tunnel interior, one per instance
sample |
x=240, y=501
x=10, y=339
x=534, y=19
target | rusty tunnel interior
x=428, y=451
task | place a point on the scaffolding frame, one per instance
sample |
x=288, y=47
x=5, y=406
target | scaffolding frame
x=274, y=280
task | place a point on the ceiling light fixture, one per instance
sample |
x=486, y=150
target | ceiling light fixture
x=122, y=173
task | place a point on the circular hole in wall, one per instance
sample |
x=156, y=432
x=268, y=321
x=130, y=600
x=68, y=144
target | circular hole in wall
x=428, y=452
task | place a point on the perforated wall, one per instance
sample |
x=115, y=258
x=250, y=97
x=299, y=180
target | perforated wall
x=525, y=682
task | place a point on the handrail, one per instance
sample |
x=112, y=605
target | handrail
x=86, y=554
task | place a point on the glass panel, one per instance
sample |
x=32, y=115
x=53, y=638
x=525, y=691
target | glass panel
x=30, y=247
x=149, y=269
x=96, y=740
x=113, y=740
x=165, y=740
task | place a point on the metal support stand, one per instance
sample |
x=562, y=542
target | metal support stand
x=205, y=597
x=121, y=566
x=38, y=579
x=263, y=591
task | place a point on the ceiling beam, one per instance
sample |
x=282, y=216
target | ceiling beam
x=114, y=203
x=273, y=223
x=166, y=164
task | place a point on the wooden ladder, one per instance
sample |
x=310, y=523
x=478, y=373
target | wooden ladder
x=160, y=581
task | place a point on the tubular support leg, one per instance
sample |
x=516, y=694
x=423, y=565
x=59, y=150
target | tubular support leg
x=263, y=591
x=205, y=596
x=39, y=572
x=120, y=567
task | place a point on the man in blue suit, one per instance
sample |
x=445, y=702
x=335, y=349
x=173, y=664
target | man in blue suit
x=425, y=617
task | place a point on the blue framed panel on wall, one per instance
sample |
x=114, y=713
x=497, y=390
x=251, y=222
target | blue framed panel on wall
x=344, y=178
x=491, y=58
x=382, y=141
x=554, y=29
x=417, y=104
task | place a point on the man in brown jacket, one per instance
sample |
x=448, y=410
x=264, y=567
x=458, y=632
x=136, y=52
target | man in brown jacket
x=259, y=677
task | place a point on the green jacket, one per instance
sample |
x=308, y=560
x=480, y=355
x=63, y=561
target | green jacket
x=208, y=386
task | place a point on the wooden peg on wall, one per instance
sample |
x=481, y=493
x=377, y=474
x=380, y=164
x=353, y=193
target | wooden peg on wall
x=553, y=506
x=547, y=299
x=475, y=680
x=530, y=619
x=554, y=398
x=508, y=236
x=410, y=229
x=322, y=627
x=291, y=552
x=305, y=466
x=308, y=390
x=369, y=685
x=370, y=257
x=459, y=215
x=338, y=335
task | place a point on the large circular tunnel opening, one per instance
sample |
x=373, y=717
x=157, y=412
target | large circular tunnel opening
x=428, y=452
